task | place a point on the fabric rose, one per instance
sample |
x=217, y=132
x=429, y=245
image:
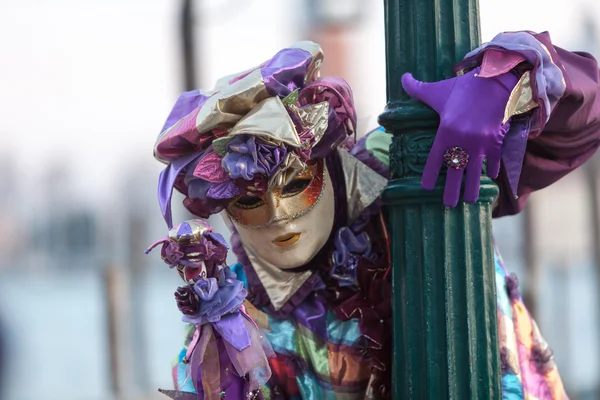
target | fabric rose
x=187, y=300
x=348, y=248
x=172, y=254
x=218, y=300
x=346, y=273
x=206, y=288
x=248, y=156
x=269, y=157
x=214, y=250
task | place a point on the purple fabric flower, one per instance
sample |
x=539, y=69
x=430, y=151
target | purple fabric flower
x=247, y=156
x=240, y=161
x=348, y=249
x=346, y=274
x=206, y=288
x=187, y=300
x=218, y=299
x=269, y=157
x=172, y=254
x=215, y=251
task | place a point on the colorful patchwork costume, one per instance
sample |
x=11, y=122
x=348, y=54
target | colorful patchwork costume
x=306, y=313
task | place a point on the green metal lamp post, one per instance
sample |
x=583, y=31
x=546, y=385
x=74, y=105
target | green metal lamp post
x=445, y=327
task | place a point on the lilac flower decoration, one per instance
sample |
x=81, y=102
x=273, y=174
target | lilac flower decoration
x=217, y=299
x=240, y=161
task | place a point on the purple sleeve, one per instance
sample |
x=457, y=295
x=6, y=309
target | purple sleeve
x=565, y=129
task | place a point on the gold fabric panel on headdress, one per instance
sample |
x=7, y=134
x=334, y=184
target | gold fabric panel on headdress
x=314, y=117
x=313, y=71
x=270, y=119
x=288, y=169
x=226, y=108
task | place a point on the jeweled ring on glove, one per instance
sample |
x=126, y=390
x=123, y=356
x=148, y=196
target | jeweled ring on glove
x=456, y=158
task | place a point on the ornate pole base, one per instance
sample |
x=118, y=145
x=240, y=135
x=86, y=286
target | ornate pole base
x=445, y=334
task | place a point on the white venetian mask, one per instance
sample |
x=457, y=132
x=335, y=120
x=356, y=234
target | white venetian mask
x=287, y=226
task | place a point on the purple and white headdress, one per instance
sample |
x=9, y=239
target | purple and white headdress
x=254, y=130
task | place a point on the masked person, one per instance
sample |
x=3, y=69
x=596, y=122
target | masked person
x=272, y=150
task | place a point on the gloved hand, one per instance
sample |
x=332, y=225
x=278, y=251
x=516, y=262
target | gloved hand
x=471, y=110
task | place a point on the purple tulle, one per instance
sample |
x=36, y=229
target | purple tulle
x=206, y=288
x=237, y=370
x=226, y=299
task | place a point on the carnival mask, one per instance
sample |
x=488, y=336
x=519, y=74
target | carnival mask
x=288, y=225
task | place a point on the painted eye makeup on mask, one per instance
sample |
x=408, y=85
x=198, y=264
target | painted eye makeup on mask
x=289, y=202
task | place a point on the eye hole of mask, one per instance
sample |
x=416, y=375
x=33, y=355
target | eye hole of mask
x=249, y=202
x=295, y=187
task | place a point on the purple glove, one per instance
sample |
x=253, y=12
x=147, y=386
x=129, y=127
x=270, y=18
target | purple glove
x=471, y=110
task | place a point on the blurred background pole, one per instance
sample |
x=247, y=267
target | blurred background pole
x=532, y=262
x=116, y=296
x=188, y=44
x=445, y=327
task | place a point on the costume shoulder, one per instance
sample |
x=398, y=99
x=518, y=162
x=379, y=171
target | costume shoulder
x=377, y=143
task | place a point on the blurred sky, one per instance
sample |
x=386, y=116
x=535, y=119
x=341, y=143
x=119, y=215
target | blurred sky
x=89, y=83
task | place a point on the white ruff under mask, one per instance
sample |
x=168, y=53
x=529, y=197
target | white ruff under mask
x=298, y=221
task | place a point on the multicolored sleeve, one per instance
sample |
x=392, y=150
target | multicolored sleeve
x=527, y=362
x=554, y=112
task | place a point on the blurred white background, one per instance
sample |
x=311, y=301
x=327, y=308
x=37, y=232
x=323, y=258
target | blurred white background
x=85, y=87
